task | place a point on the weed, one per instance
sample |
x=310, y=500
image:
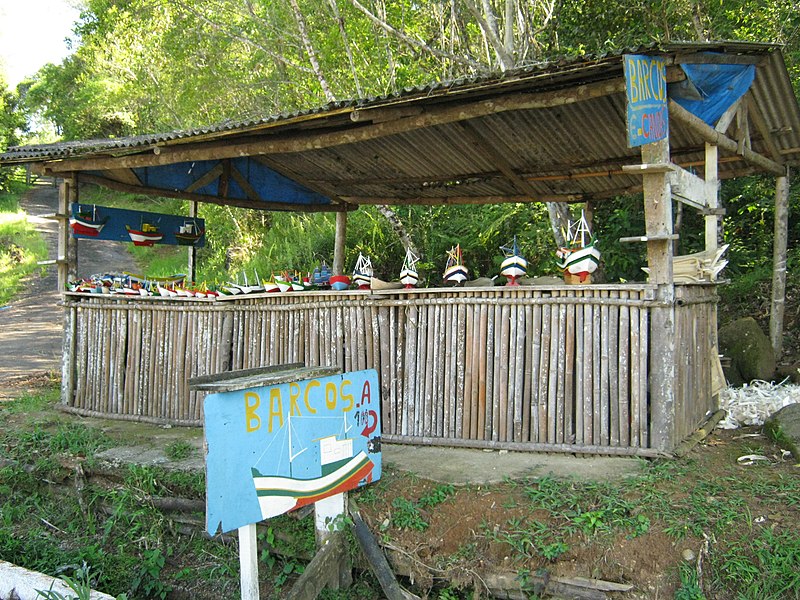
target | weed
x=438, y=495
x=406, y=515
x=179, y=450
x=147, y=579
x=689, y=588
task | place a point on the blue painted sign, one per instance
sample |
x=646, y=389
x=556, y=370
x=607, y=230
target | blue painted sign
x=89, y=221
x=646, y=89
x=274, y=449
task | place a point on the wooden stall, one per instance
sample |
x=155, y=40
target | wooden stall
x=562, y=368
x=620, y=369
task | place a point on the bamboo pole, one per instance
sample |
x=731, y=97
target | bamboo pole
x=780, y=245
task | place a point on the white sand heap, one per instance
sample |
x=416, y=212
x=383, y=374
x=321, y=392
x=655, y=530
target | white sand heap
x=752, y=404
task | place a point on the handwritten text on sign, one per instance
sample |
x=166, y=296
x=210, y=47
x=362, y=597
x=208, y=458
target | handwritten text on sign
x=646, y=88
x=273, y=449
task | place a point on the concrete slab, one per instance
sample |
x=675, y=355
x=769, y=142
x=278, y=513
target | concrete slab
x=463, y=466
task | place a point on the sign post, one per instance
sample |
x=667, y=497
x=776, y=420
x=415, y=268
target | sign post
x=280, y=438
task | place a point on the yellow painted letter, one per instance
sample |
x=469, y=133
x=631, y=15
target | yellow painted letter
x=275, y=407
x=251, y=403
x=348, y=397
x=294, y=394
x=311, y=384
x=330, y=395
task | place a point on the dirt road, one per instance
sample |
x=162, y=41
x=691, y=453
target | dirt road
x=31, y=325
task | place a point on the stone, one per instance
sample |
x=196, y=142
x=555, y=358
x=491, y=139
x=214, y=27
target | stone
x=688, y=555
x=783, y=427
x=749, y=350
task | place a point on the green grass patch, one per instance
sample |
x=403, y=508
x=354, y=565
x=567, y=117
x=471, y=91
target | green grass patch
x=20, y=249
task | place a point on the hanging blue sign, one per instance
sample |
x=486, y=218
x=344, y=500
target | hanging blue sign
x=646, y=90
x=276, y=448
x=89, y=221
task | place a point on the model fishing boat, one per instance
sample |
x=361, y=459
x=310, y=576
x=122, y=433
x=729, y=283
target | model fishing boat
x=339, y=282
x=455, y=271
x=408, y=273
x=189, y=233
x=85, y=222
x=580, y=258
x=321, y=276
x=147, y=235
x=514, y=265
x=362, y=273
x=339, y=471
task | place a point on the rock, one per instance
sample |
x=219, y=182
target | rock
x=784, y=428
x=688, y=555
x=750, y=352
x=791, y=371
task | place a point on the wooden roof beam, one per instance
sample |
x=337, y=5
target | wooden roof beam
x=710, y=135
x=251, y=204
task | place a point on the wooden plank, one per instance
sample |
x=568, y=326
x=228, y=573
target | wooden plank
x=644, y=375
x=605, y=367
x=614, y=375
x=462, y=375
x=569, y=376
x=536, y=352
x=544, y=373
x=485, y=408
x=624, y=372
x=519, y=375
x=588, y=374
x=561, y=367
x=579, y=366
x=527, y=374
x=552, y=387
x=409, y=393
x=491, y=379
x=502, y=374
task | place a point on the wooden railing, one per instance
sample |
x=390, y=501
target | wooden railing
x=557, y=369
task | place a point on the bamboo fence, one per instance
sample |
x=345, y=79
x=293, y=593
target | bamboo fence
x=553, y=369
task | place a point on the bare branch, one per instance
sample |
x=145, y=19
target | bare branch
x=312, y=55
x=415, y=43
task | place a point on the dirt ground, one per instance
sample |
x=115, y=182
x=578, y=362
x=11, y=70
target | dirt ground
x=30, y=326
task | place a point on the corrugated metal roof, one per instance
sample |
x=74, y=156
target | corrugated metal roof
x=400, y=147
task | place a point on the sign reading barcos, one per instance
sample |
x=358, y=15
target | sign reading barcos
x=646, y=89
x=276, y=448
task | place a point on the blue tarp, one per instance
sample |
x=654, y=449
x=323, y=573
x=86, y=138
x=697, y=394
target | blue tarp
x=712, y=88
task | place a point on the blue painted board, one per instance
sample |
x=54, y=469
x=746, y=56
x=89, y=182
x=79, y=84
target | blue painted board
x=115, y=219
x=646, y=91
x=276, y=448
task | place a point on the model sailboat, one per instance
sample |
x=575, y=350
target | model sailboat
x=362, y=273
x=455, y=271
x=408, y=273
x=580, y=258
x=514, y=265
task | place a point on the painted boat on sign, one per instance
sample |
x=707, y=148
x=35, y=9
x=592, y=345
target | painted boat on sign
x=189, y=233
x=147, y=235
x=340, y=471
x=86, y=222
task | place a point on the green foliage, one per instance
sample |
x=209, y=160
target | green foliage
x=689, y=589
x=406, y=515
x=764, y=564
x=437, y=495
x=179, y=450
x=147, y=582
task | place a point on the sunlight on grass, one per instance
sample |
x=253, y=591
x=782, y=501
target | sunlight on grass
x=20, y=249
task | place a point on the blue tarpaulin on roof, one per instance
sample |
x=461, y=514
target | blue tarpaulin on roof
x=712, y=88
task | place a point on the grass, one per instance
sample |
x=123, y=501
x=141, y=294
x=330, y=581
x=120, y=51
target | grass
x=20, y=245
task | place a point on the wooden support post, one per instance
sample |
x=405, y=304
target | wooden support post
x=712, y=221
x=324, y=570
x=338, y=244
x=328, y=513
x=63, y=235
x=72, y=242
x=377, y=561
x=248, y=562
x=192, y=267
x=658, y=221
x=779, y=264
